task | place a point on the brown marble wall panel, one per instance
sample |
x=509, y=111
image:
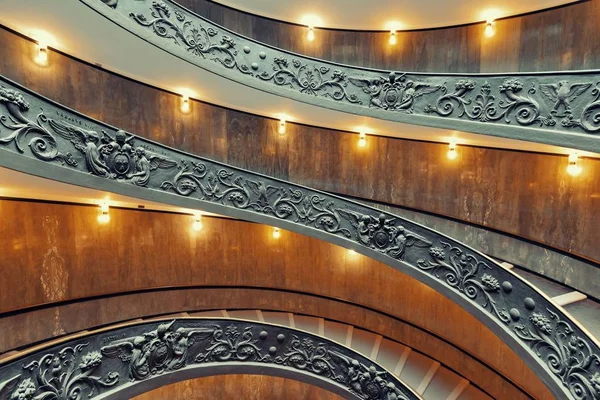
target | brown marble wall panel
x=59, y=252
x=525, y=194
x=556, y=39
x=247, y=387
x=67, y=318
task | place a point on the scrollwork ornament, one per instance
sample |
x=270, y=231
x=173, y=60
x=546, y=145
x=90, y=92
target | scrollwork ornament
x=197, y=39
x=462, y=271
x=60, y=139
x=230, y=344
x=569, y=356
x=590, y=116
x=309, y=79
x=306, y=355
x=65, y=374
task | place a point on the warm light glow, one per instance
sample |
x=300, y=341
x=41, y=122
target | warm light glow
x=311, y=34
x=352, y=252
x=185, y=104
x=393, y=26
x=43, y=39
x=362, y=139
x=574, y=168
x=489, y=29
x=276, y=233
x=197, y=225
x=393, y=40
x=42, y=56
x=104, y=216
x=281, y=129
x=452, y=153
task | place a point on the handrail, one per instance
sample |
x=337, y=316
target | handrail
x=40, y=137
x=558, y=108
x=122, y=361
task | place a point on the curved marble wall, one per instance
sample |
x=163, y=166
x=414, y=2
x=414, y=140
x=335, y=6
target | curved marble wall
x=552, y=40
x=526, y=106
x=63, y=255
x=525, y=194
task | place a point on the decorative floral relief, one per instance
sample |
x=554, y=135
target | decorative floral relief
x=164, y=348
x=366, y=381
x=61, y=375
x=232, y=345
x=499, y=100
x=485, y=106
x=567, y=355
x=461, y=271
x=309, y=79
x=306, y=355
x=197, y=39
x=121, y=157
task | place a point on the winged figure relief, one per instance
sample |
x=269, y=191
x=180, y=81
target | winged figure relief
x=86, y=141
x=362, y=223
x=162, y=349
x=562, y=95
x=262, y=191
x=115, y=158
x=147, y=161
x=404, y=239
x=394, y=92
x=414, y=90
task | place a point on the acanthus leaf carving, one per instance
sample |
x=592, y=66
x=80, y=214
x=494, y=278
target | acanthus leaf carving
x=115, y=155
x=195, y=37
x=63, y=375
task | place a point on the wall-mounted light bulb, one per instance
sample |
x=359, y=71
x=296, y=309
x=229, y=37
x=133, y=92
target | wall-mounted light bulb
x=185, y=104
x=104, y=216
x=41, y=57
x=392, y=40
x=197, y=224
x=489, y=30
x=311, y=34
x=452, y=153
x=362, y=139
x=276, y=233
x=281, y=128
x=573, y=168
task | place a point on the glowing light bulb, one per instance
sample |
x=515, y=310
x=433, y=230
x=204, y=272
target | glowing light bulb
x=392, y=40
x=104, y=216
x=42, y=55
x=197, y=225
x=452, y=153
x=311, y=34
x=362, y=139
x=574, y=168
x=352, y=252
x=276, y=233
x=185, y=104
x=281, y=129
x=489, y=30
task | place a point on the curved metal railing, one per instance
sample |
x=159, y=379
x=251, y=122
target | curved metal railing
x=559, y=108
x=128, y=360
x=39, y=137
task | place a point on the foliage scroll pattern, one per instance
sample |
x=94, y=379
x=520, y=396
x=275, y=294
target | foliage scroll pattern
x=61, y=139
x=556, y=102
x=134, y=354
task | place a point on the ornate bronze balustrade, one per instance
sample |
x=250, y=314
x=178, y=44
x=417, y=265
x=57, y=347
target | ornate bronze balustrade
x=42, y=138
x=125, y=361
x=560, y=108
